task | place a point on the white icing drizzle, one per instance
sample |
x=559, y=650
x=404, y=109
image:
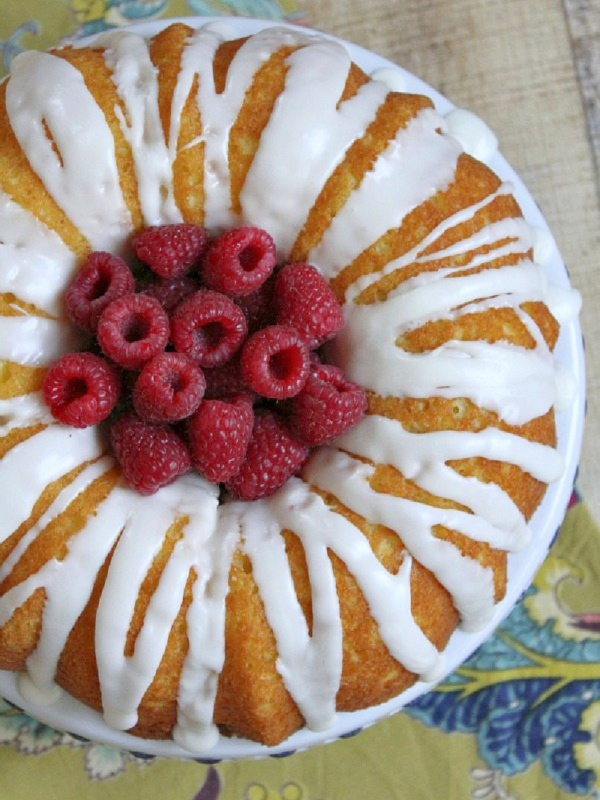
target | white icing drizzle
x=23, y=410
x=393, y=78
x=85, y=478
x=544, y=246
x=222, y=28
x=135, y=78
x=470, y=585
x=427, y=163
x=474, y=136
x=35, y=264
x=517, y=383
x=67, y=584
x=43, y=458
x=218, y=113
x=195, y=729
x=307, y=120
x=46, y=93
x=124, y=680
x=311, y=664
x=35, y=341
x=220, y=110
x=516, y=229
x=423, y=457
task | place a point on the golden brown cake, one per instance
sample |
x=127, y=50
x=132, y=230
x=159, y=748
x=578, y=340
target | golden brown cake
x=185, y=613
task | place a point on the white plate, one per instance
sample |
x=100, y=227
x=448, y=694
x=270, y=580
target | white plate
x=69, y=715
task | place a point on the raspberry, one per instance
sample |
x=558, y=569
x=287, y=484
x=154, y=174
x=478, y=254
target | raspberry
x=170, y=250
x=150, y=455
x=81, y=389
x=133, y=329
x=273, y=455
x=258, y=307
x=102, y=279
x=218, y=435
x=168, y=389
x=208, y=327
x=328, y=405
x=304, y=300
x=239, y=261
x=224, y=381
x=171, y=291
x=275, y=362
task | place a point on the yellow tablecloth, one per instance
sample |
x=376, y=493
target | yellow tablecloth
x=519, y=721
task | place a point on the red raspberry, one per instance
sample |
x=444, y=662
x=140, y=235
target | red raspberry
x=133, y=329
x=328, y=405
x=304, y=300
x=273, y=455
x=239, y=261
x=218, y=435
x=225, y=381
x=81, y=389
x=170, y=250
x=101, y=280
x=208, y=327
x=169, y=388
x=150, y=455
x=171, y=291
x=275, y=362
x=259, y=307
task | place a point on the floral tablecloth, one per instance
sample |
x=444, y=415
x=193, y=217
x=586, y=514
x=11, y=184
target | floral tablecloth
x=519, y=721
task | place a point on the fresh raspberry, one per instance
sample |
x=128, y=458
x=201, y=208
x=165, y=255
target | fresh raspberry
x=81, y=389
x=275, y=362
x=258, y=306
x=225, y=381
x=168, y=389
x=328, y=405
x=150, y=455
x=170, y=250
x=133, y=329
x=304, y=300
x=102, y=279
x=273, y=455
x=218, y=436
x=239, y=261
x=171, y=291
x=208, y=327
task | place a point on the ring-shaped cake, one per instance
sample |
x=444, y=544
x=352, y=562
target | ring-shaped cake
x=187, y=614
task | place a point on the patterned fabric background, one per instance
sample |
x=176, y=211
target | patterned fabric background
x=520, y=720
x=35, y=24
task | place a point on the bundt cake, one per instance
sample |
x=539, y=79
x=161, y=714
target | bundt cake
x=188, y=613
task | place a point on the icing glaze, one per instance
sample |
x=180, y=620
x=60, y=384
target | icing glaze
x=135, y=78
x=87, y=189
x=43, y=94
x=474, y=136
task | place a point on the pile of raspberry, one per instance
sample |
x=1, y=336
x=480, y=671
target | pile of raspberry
x=203, y=356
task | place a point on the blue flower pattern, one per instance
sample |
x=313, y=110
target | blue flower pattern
x=10, y=47
x=524, y=695
x=261, y=9
x=121, y=12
